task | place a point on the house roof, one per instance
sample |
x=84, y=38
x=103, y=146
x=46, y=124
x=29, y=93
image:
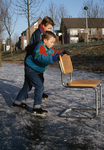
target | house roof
x=36, y=21
x=81, y=22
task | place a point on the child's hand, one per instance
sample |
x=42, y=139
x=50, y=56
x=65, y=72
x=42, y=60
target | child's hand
x=66, y=52
x=56, y=57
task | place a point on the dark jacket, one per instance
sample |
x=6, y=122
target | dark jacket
x=35, y=39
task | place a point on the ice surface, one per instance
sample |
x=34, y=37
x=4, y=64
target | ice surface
x=20, y=130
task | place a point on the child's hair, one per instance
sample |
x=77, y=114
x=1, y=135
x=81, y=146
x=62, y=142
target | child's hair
x=47, y=20
x=47, y=35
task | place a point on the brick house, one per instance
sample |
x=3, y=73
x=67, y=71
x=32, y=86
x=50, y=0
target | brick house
x=23, y=40
x=75, y=29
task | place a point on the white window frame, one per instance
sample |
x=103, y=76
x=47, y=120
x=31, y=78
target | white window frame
x=81, y=30
x=73, y=32
x=102, y=31
x=36, y=25
x=74, y=39
x=25, y=43
x=93, y=31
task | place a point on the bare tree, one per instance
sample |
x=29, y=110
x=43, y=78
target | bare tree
x=62, y=13
x=102, y=4
x=102, y=1
x=56, y=13
x=8, y=20
x=1, y=30
x=1, y=20
x=51, y=10
x=27, y=8
x=15, y=39
x=94, y=10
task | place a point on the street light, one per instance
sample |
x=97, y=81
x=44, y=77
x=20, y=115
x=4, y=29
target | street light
x=85, y=8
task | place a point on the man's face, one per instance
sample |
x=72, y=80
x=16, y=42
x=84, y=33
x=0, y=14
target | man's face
x=49, y=43
x=48, y=27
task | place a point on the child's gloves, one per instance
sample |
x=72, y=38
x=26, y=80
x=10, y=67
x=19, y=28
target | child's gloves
x=56, y=57
x=66, y=52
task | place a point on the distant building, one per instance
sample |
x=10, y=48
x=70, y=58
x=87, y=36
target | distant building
x=7, y=44
x=3, y=47
x=74, y=30
x=23, y=40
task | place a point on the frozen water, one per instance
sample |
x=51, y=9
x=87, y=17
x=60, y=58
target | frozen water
x=20, y=130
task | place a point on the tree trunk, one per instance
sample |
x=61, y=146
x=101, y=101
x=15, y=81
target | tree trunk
x=11, y=47
x=62, y=32
x=28, y=20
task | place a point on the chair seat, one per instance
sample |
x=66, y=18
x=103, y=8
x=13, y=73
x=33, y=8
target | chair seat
x=84, y=83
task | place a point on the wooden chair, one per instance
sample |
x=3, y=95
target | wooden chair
x=67, y=68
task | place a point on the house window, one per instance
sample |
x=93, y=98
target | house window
x=36, y=25
x=24, y=33
x=92, y=31
x=73, y=32
x=25, y=43
x=102, y=31
x=81, y=30
x=73, y=39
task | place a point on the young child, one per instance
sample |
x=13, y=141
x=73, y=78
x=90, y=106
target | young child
x=46, y=25
x=37, y=63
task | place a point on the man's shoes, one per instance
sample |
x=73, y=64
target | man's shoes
x=39, y=111
x=23, y=105
x=45, y=97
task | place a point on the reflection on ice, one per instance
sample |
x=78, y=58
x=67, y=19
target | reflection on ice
x=19, y=129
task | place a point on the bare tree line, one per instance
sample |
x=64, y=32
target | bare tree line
x=7, y=19
x=95, y=10
x=1, y=21
x=29, y=9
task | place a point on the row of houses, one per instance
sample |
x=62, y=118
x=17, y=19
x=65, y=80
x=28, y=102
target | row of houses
x=73, y=29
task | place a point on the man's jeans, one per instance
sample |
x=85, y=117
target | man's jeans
x=32, y=79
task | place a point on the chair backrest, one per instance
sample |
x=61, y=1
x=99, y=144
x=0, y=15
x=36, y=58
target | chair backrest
x=65, y=64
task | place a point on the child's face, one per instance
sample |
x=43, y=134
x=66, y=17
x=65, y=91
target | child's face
x=48, y=27
x=49, y=43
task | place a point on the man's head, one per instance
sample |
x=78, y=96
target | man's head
x=48, y=38
x=47, y=23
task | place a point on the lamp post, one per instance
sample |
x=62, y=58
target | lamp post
x=85, y=8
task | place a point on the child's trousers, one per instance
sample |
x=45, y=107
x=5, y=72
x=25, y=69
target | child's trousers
x=32, y=79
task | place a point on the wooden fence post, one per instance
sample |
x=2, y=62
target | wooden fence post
x=0, y=54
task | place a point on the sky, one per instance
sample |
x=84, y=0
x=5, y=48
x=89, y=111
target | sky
x=72, y=6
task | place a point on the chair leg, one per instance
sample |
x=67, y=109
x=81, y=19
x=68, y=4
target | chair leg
x=95, y=110
x=100, y=96
x=96, y=97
